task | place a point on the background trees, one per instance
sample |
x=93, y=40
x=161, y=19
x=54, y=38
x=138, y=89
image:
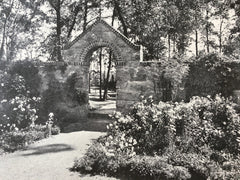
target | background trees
x=39, y=29
x=19, y=22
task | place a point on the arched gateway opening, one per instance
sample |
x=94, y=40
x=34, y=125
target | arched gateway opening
x=127, y=57
x=102, y=81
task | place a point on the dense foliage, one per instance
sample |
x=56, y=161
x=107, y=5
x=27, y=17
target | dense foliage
x=166, y=27
x=199, y=139
x=19, y=107
x=168, y=76
x=211, y=74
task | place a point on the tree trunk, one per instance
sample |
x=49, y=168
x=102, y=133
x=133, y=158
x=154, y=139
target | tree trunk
x=58, y=13
x=196, y=41
x=76, y=11
x=108, y=75
x=169, y=46
x=109, y=64
x=89, y=81
x=196, y=33
x=120, y=17
x=4, y=34
x=85, y=15
x=174, y=43
x=220, y=36
x=207, y=33
x=100, y=64
x=3, y=41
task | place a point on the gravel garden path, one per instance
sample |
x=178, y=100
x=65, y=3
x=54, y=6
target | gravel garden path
x=49, y=159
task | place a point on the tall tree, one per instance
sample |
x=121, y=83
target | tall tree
x=19, y=21
x=67, y=16
x=109, y=64
x=232, y=47
x=221, y=14
x=56, y=5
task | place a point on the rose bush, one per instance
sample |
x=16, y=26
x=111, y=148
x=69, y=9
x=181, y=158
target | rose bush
x=200, y=138
x=18, y=113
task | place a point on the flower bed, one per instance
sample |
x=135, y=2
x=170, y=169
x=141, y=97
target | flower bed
x=195, y=140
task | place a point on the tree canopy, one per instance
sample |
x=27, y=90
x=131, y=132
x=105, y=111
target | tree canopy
x=38, y=29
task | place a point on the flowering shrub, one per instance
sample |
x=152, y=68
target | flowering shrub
x=202, y=121
x=18, y=139
x=17, y=106
x=149, y=126
x=19, y=112
x=211, y=122
x=201, y=137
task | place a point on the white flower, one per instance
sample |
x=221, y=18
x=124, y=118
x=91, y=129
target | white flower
x=50, y=114
x=2, y=84
x=117, y=115
x=34, y=98
x=121, y=144
x=134, y=142
x=14, y=109
x=3, y=101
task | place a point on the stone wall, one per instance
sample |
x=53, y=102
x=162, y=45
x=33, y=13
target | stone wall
x=134, y=77
x=127, y=55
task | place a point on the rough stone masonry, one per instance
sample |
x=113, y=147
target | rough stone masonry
x=132, y=79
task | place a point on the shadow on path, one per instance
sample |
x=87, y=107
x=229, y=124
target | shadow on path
x=52, y=148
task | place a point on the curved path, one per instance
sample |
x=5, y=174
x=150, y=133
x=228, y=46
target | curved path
x=49, y=159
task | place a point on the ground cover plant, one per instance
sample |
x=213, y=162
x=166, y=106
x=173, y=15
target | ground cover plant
x=195, y=140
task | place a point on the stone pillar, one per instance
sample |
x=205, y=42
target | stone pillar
x=81, y=86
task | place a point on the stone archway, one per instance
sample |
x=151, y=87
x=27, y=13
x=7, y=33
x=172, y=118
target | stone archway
x=128, y=57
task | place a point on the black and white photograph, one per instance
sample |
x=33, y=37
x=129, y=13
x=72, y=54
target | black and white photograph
x=119, y=89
